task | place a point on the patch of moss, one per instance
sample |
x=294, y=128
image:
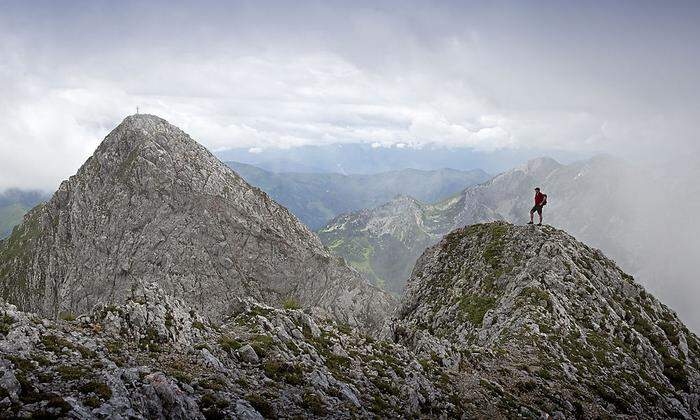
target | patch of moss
x=55, y=343
x=169, y=320
x=92, y=401
x=198, y=325
x=20, y=362
x=99, y=388
x=281, y=371
x=675, y=372
x=544, y=373
x=181, y=376
x=58, y=403
x=312, y=402
x=535, y=295
x=672, y=333
x=475, y=307
x=214, y=383
x=211, y=400
x=67, y=316
x=493, y=251
x=6, y=322
x=609, y=395
x=151, y=341
x=229, y=344
x=44, y=377
x=262, y=344
x=114, y=347
x=261, y=404
x=43, y=361
x=85, y=352
x=344, y=328
x=291, y=303
x=258, y=310
x=379, y=406
x=71, y=373
x=385, y=386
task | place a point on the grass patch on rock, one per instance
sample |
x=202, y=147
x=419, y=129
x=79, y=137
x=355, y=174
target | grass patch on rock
x=474, y=308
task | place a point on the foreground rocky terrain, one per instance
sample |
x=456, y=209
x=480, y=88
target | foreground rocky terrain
x=153, y=357
x=153, y=205
x=548, y=321
x=498, y=321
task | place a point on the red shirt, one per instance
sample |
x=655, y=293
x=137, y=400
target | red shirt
x=539, y=198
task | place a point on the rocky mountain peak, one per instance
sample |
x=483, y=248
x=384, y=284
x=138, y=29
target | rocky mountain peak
x=558, y=322
x=153, y=205
x=541, y=164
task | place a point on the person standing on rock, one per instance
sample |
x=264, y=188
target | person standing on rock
x=540, y=201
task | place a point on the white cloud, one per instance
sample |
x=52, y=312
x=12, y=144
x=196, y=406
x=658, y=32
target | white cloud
x=258, y=78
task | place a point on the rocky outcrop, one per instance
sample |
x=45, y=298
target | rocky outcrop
x=548, y=322
x=154, y=357
x=498, y=321
x=152, y=205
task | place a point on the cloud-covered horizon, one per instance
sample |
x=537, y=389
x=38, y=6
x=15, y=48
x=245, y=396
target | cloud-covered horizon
x=619, y=78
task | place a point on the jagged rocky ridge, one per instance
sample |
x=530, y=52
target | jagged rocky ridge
x=545, y=320
x=153, y=357
x=498, y=321
x=152, y=205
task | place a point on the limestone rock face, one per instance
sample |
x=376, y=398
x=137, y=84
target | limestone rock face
x=497, y=321
x=152, y=205
x=259, y=362
x=550, y=323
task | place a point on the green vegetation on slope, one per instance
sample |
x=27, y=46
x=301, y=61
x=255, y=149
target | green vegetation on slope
x=10, y=216
x=14, y=204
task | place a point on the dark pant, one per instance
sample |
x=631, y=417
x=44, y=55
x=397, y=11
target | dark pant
x=537, y=209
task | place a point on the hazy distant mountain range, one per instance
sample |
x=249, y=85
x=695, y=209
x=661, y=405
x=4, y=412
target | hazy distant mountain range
x=14, y=203
x=586, y=198
x=363, y=158
x=316, y=198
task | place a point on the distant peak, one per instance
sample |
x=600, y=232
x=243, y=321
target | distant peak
x=404, y=198
x=540, y=164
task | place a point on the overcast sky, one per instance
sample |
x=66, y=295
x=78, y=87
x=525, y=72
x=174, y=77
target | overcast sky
x=621, y=77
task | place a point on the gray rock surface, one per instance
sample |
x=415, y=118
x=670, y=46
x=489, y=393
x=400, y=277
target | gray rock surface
x=83, y=369
x=498, y=321
x=548, y=323
x=152, y=205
